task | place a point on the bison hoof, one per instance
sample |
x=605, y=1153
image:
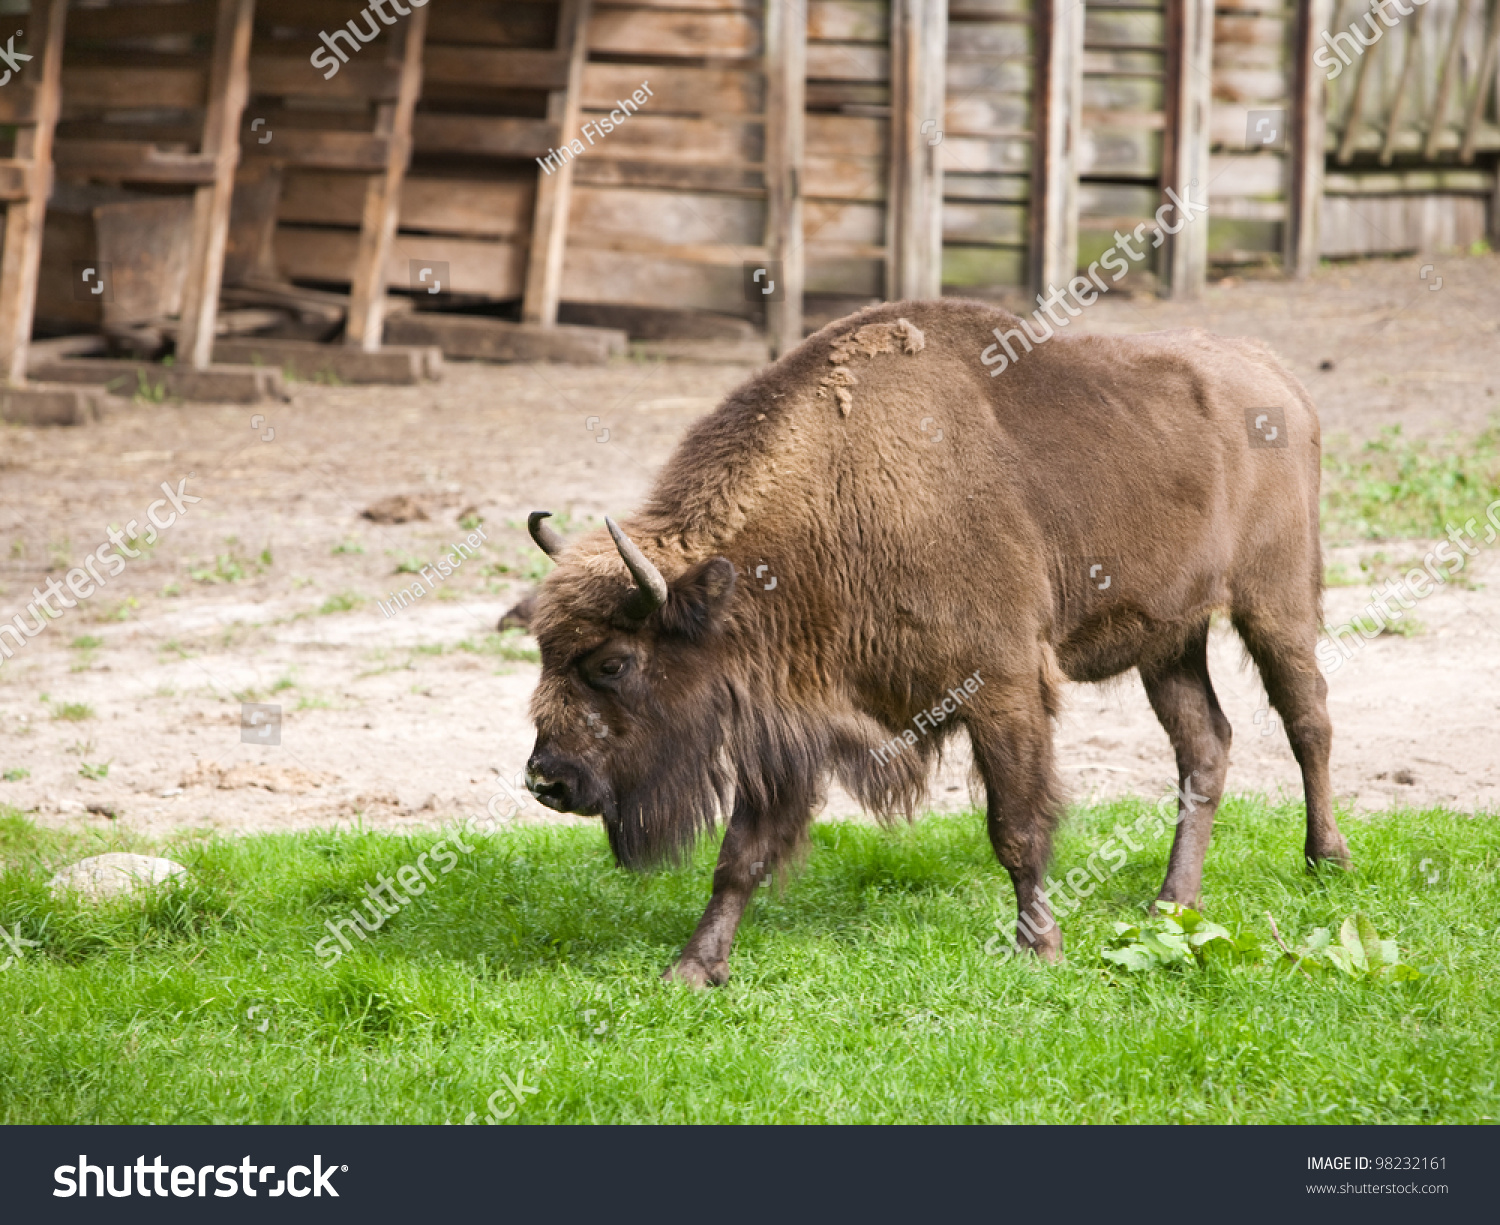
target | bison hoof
x=1050, y=953
x=1333, y=856
x=695, y=974
x=1047, y=946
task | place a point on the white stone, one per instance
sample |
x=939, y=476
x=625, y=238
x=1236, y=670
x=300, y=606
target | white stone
x=115, y=874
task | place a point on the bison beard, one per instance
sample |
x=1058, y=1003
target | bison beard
x=1085, y=515
x=736, y=752
x=658, y=809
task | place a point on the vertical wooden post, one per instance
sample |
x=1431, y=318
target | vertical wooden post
x=1413, y=32
x=228, y=91
x=22, y=253
x=1482, y=83
x=1307, y=126
x=914, y=200
x=1446, y=82
x=1356, y=111
x=1190, y=54
x=554, y=192
x=786, y=108
x=377, y=232
x=1057, y=117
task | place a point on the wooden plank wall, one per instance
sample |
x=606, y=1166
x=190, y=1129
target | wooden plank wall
x=1250, y=169
x=987, y=146
x=1124, y=114
x=470, y=193
x=848, y=154
x=669, y=207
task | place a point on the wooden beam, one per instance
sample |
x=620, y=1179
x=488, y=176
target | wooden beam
x=143, y=20
x=220, y=384
x=554, y=191
x=1190, y=37
x=377, y=231
x=139, y=161
x=1356, y=113
x=307, y=359
x=1057, y=116
x=484, y=135
x=370, y=152
x=497, y=67
x=1446, y=82
x=229, y=88
x=280, y=76
x=914, y=211
x=21, y=256
x=475, y=338
x=119, y=87
x=1307, y=129
x=1393, y=121
x=786, y=143
x=49, y=404
x=1482, y=84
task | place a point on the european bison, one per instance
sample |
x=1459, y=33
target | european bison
x=874, y=541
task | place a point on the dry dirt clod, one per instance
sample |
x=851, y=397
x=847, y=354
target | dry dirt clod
x=398, y=508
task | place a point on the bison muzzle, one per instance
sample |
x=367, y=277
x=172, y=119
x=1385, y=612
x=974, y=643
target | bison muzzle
x=873, y=543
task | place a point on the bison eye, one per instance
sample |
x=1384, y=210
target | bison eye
x=607, y=670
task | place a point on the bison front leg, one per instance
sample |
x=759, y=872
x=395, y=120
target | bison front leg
x=1013, y=750
x=751, y=849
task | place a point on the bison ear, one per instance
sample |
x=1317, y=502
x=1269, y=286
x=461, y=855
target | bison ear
x=698, y=597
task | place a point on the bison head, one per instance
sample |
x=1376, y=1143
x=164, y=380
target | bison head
x=631, y=707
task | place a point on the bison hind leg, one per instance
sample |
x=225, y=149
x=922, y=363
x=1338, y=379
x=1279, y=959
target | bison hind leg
x=1183, y=698
x=1283, y=646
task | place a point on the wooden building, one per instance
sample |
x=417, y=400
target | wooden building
x=491, y=175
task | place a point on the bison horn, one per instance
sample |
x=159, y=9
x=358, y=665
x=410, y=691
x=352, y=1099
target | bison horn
x=653, y=588
x=547, y=537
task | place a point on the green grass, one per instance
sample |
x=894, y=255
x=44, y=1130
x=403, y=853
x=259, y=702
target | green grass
x=72, y=712
x=510, y=645
x=1393, y=487
x=343, y=601
x=861, y=991
x=1406, y=627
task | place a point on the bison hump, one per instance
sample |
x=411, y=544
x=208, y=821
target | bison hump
x=870, y=341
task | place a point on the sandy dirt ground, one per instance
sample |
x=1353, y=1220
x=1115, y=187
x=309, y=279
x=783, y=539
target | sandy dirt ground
x=267, y=589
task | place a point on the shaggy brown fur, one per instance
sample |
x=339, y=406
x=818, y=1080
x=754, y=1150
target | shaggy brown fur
x=905, y=562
